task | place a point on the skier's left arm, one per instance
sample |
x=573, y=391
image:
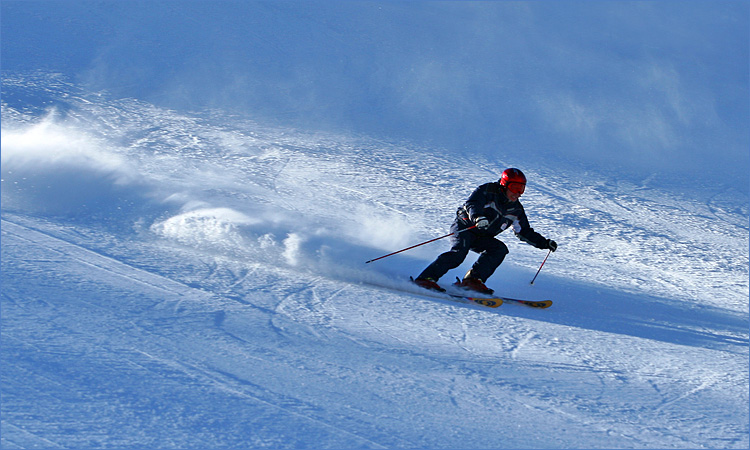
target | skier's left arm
x=527, y=234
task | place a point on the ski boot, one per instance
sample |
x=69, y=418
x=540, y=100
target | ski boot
x=428, y=283
x=473, y=284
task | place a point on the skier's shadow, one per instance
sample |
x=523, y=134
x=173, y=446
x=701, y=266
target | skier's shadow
x=649, y=317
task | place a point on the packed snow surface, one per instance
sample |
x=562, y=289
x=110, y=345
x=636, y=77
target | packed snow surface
x=178, y=280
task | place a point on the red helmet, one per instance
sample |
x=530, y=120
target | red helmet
x=514, y=180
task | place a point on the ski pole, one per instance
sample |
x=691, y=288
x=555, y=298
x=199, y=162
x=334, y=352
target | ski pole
x=423, y=243
x=540, y=267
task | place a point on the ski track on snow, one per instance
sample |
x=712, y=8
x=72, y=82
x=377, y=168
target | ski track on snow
x=115, y=269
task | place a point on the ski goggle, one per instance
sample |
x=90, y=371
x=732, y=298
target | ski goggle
x=516, y=188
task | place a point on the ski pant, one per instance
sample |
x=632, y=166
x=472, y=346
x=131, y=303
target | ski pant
x=491, y=254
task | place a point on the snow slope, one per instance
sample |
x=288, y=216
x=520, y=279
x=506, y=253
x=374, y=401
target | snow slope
x=185, y=280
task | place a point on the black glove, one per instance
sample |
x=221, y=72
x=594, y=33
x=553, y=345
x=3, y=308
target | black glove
x=552, y=245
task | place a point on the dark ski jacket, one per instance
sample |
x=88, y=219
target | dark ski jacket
x=488, y=200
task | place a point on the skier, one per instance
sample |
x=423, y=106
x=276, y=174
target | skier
x=493, y=207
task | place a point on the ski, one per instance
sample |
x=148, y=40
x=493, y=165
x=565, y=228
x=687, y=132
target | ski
x=541, y=304
x=491, y=302
x=531, y=303
x=494, y=302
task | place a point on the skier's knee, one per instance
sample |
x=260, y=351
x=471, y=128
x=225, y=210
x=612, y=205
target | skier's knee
x=497, y=251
